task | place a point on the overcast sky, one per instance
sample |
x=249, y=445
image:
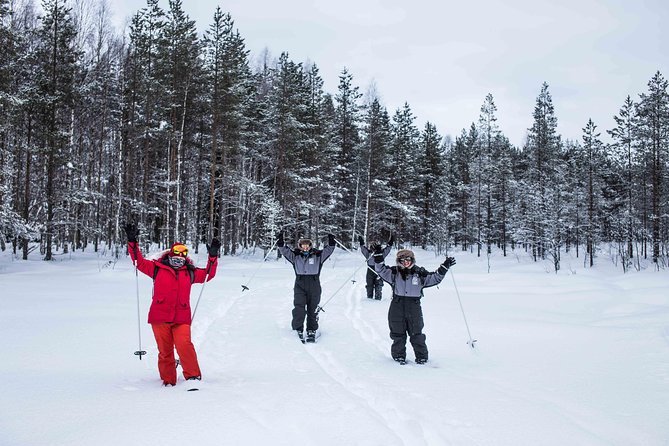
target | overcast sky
x=443, y=57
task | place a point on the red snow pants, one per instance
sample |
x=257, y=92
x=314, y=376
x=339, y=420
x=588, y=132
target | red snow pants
x=168, y=337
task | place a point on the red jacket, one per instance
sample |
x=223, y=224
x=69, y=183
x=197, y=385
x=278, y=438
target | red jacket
x=171, y=288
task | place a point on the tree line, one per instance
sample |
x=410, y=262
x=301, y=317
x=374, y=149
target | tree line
x=186, y=136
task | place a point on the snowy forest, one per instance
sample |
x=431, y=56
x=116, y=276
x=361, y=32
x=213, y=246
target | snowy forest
x=191, y=138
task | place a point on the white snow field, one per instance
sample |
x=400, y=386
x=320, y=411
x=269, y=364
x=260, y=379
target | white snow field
x=575, y=358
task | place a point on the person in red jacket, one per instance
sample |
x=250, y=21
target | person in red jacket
x=170, y=311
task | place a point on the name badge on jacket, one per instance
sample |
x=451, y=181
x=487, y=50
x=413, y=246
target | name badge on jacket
x=311, y=260
x=414, y=280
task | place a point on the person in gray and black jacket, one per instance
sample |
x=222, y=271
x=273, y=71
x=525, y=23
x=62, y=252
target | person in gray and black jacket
x=405, y=315
x=307, y=262
x=374, y=282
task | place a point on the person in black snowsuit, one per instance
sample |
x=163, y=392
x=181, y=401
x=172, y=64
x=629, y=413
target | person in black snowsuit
x=405, y=315
x=307, y=263
x=373, y=280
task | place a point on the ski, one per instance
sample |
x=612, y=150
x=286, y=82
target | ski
x=312, y=339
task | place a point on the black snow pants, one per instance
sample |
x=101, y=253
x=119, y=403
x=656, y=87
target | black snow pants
x=306, y=299
x=374, y=285
x=405, y=316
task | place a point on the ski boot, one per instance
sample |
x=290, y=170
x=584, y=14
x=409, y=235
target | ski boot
x=193, y=383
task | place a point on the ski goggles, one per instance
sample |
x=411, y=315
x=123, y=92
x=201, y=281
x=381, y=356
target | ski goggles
x=180, y=250
x=405, y=260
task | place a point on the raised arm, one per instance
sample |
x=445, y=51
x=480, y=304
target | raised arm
x=329, y=249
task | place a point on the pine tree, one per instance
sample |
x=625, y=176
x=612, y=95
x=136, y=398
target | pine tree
x=594, y=164
x=11, y=224
x=347, y=140
x=624, y=154
x=143, y=156
x=315, y=172
x=459, y=177
x=430, y=172
x=405, y=185
x=653, y=113
x=56, y=82
x=375, y=156
x=488, y=132
x=228, y=73
x=543, y=189
x=287, y=136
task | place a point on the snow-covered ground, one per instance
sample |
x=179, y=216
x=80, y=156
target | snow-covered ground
x=575, y=358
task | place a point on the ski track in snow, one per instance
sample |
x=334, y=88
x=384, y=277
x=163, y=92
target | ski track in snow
x=402, y=424
x=385, y=408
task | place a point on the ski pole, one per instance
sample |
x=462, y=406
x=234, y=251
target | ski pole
x=321, y=307
x=370, y=256
x=139, y=352
x=206, y=276
x=471, y=341
x=246, y=287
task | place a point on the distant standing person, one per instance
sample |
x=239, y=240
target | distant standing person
x=307, y=262
x=170, y=312
x=373, y=280
x=405, y=315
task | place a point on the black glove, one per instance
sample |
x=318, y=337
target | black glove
x=391, y=240
x=361, y=240
x=279, y=242
x=378, y=254
x=214, y=247
x=450, y=261
x=331, y=240
x=131, y=232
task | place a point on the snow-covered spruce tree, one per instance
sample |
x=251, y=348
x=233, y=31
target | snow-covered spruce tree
x=316, y=174
x=143, y=158
x=287, y=138
x=376, y=173
x=56, y=73
x=11, y=224
x=405, y=184
x=593, y=170
x=227, y=110
x=653, y=128
x=430, y=171
x=20, y=106
x=575, y=182
x=503, y=192
x=543, y=187
x=625, y=164
x=459, y=178
x=483, y=172
x=349, y=169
